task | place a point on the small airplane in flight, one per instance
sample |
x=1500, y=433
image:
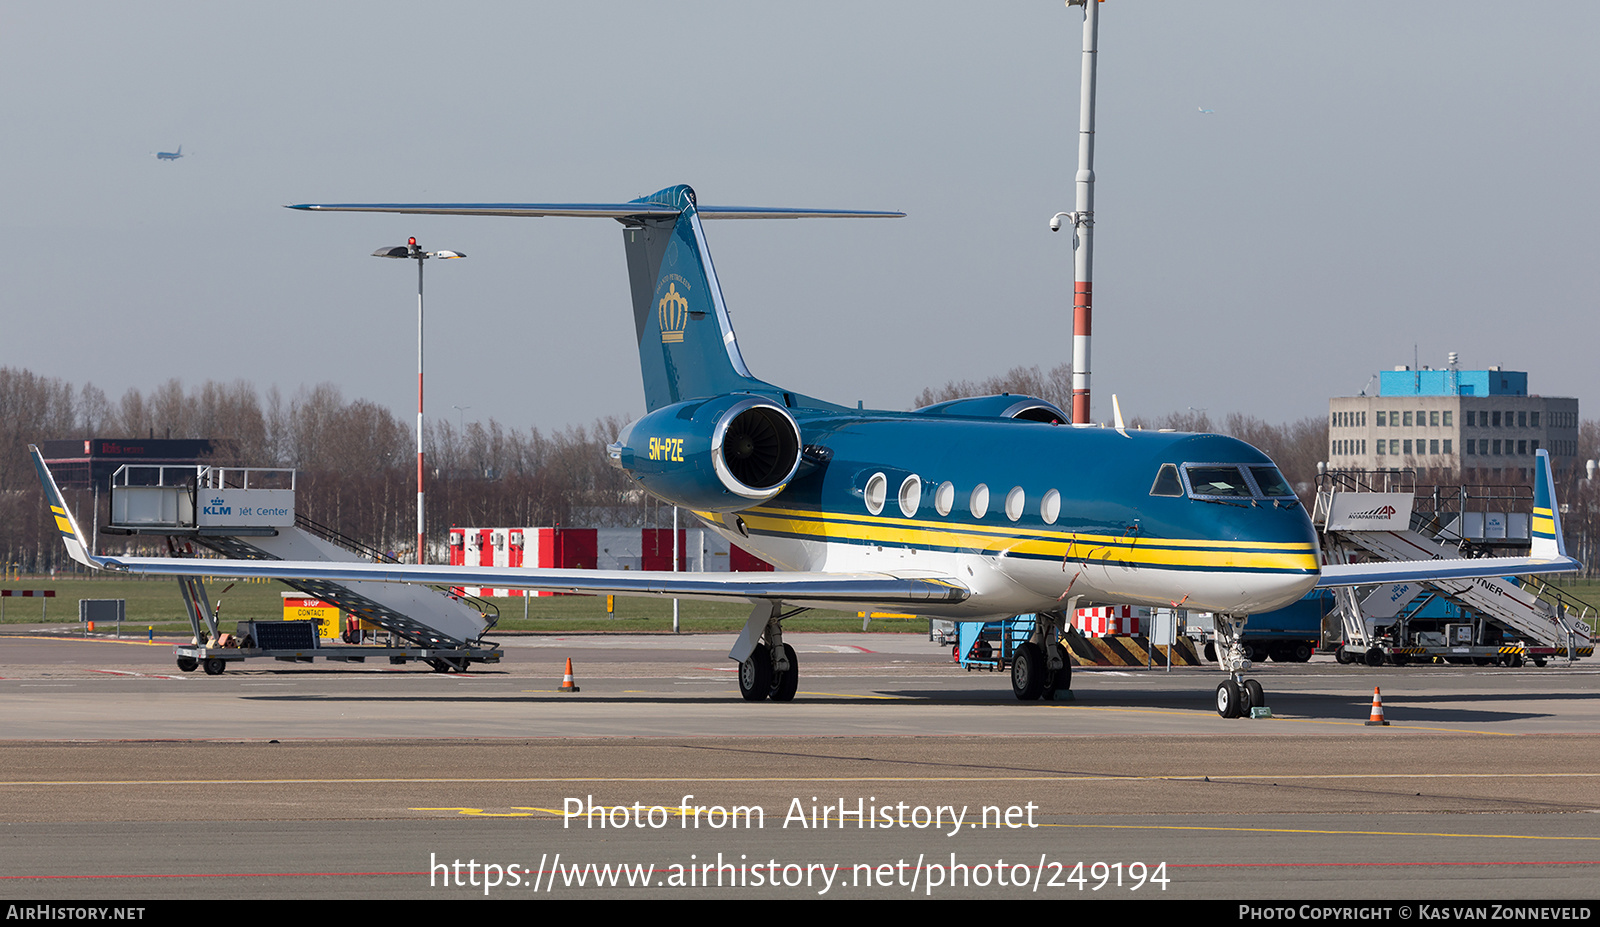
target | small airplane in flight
x=972, y=509
x=170, y=155
x=1204, y=111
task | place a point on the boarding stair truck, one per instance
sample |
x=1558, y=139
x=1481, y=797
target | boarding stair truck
x=248, y=513
x=1377, y=515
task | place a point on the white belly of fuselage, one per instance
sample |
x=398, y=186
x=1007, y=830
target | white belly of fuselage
x=1002, y=585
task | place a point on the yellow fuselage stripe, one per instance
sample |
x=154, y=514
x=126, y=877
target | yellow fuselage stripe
x=1250, y=555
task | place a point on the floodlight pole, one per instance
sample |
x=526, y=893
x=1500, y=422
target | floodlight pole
x=410, y=250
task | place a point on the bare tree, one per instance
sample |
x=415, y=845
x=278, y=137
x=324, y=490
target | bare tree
x=1053, y=386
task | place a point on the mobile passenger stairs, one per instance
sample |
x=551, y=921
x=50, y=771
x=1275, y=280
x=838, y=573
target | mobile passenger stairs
x=248, y=513
x=1365, y=515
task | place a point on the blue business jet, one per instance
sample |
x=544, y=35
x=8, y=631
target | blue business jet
x=170, y=155
x=969, y=510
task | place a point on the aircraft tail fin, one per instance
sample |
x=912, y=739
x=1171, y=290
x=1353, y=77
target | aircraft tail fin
x=1548, y=542
x=66, y=524
x=687, y=349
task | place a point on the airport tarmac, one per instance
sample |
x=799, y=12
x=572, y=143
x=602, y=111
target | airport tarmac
x=127, y=779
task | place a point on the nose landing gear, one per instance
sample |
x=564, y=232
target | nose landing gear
x=1238, y=697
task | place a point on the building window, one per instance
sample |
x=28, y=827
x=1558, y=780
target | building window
x=1394, y=445
x=1380, y=420
x=1470, y=417
x=1447, y=417
x=1408, y=442
x=1380, y=448
x=1522, y=419
x=1496, y=416
x=1522, y=448
x=1433, y=419
x=1497, y=447
x=1407, y=419
x=1433, y=445
x=1533, y=419
x=1471, y=446
x=1533, y=446
x=1447, y=446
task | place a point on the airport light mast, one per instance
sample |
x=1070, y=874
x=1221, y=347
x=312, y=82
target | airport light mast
x=410, y=250
x=1082, y=216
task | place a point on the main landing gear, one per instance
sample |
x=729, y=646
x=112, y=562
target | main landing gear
x=768, y=668
x=1040, y=666
x=1237, y=696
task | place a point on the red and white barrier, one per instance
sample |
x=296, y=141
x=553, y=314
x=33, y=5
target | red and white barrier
x=1111, y=619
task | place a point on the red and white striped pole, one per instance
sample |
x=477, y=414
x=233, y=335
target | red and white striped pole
x=1083, y=218
x=422, y=534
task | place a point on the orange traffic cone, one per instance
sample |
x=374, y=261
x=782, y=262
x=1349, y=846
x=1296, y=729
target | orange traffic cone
x=1377, y=709
x=567, y=684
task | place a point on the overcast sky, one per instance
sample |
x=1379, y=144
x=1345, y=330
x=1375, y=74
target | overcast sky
x=1374, y=176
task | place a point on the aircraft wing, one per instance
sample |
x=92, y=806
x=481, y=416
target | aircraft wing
x=844, y=589
x=847, y=590
x=1366, y=574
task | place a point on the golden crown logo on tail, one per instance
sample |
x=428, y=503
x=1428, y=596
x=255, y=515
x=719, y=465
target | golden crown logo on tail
x=673, y=312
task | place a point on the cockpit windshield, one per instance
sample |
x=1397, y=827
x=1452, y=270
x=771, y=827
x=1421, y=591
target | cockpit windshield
x=1232, y=481
x=1271, y=482
x=1217, y=482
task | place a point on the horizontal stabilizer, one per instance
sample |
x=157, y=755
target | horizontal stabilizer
x=638, y=209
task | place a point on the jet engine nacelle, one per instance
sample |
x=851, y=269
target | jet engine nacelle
x=720, y=455
x=1004, y=405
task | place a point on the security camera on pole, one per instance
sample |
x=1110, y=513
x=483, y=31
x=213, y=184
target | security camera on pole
x=410, y=250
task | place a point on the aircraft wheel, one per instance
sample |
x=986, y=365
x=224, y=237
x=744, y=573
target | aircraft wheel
x=1028, y=669
x=755, y=676
x=1254, y=695
x=1302, y=652
x=188, y=664
x=784, y=683
x=215, y=665
x=1228, y=698
x=1210, y=651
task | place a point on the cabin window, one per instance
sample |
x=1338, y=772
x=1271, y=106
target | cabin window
x=877, y=490
x=980, y=501
x=1050, y=508
x=1166, y=483
x=1015, y=499
x=910, y=495
x=944, y=498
